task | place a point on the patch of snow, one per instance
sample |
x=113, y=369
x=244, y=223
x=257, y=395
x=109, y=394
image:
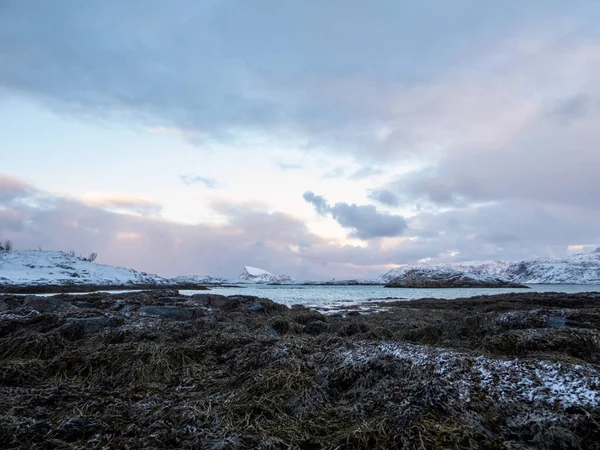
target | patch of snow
x=538, y=382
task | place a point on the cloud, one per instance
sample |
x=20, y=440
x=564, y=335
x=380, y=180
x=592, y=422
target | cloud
x=224, y=70
x=11, y=220
x=286, y=166
x=336, y=172
x=12, y=188
x=365, y=221
x=385, y=197
x=190, y=179
x=365, y=172
x=124, y=203
x=282, y=243
x=320, y=203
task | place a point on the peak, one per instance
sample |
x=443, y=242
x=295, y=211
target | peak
x=256, y=271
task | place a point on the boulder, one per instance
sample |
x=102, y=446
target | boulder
x=256, y=307
x=167, y=300
x=46, y=304
x=220, y=302
x=167, y=312
x=315, y=327
x=80, y=327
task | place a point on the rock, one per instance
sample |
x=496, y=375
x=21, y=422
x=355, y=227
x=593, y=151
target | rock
x=163, y=300
x=46, y=304
x=272, y=331
x=220, y=302
x=167, y=312
x=556, y=322
x=353, y=313
x=315, y=327
x=83, y=305
x=80, y=327
x=256, y=307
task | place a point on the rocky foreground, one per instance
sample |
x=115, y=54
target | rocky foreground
x=159, y=370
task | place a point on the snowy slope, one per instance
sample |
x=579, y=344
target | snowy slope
x=59, y=268
x=255, y=275
x=447, y=278
x=198, y=279
x=582, y=268
x=496, y=268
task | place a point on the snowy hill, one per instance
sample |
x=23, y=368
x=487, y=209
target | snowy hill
x=255, y=275
x=198, y=279
x=59, y=268
x=496, y=268
x=446, y=278
x=582, y=268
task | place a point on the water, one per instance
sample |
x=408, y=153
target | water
x=332, y=297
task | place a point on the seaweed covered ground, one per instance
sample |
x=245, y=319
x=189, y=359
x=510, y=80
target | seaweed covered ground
x=159, y=370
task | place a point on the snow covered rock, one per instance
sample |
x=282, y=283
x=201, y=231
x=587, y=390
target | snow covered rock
x=582, y=268
x=426, y=278
x=255, y=275
x=30, y=268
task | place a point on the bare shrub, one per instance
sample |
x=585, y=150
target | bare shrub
x=6, y=246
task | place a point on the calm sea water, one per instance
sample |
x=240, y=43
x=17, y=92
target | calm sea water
x=341, y=296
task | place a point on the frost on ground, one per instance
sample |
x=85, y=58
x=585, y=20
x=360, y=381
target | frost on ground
x=536, y=382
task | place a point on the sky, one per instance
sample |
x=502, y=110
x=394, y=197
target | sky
x=322, y=139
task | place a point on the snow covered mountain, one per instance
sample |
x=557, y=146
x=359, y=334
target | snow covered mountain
x=495, y=268
x=59, y=268
x=255, y=275
x=198, y=279
x=582, y=268
x=446, y=278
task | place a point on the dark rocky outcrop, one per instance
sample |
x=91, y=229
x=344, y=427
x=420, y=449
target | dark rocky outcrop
x=167, y=312
x=80, y=327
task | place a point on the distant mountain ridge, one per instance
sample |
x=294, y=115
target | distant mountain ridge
x=581, y=268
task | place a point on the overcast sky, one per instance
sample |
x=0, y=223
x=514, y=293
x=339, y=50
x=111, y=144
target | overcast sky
x=322, y=139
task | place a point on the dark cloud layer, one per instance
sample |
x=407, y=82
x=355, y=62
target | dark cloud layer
x=364, y=220
x=385, y=197
x=218, y=68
